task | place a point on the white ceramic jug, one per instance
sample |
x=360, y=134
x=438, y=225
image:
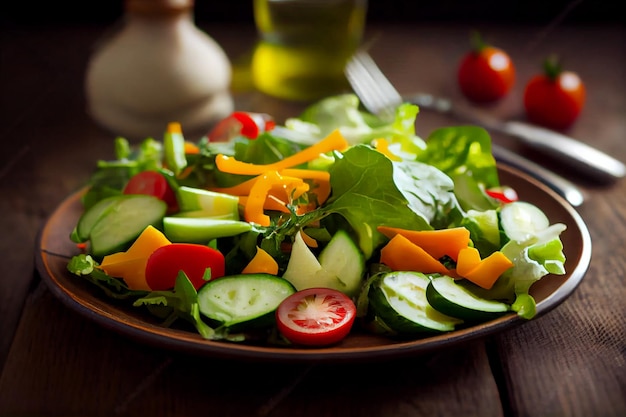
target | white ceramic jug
x=159, y=68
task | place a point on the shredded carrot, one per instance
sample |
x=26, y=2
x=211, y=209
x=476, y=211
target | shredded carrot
x=334, y=141
x=400, y=254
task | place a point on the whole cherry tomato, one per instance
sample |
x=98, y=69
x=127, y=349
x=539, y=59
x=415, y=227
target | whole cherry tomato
x=554, y=98
x=486, y=73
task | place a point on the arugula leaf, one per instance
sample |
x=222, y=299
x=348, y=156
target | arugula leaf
x=183, y=301
x=85, y=266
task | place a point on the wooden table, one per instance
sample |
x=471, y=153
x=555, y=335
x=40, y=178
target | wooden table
x=570, y=362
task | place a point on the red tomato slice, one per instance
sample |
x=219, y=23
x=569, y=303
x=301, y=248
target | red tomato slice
x=155, y=184
x=164, y=264
x=316, y=317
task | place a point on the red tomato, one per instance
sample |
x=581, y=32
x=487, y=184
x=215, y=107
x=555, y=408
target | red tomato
x=155, y=184
x=555, y=98
x=316, y=317
x=486, y=73
x=164, y=264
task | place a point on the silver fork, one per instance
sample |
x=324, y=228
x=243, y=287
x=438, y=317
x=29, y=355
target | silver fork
x=380, y=97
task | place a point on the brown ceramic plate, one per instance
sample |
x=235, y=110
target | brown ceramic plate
x=55, y=248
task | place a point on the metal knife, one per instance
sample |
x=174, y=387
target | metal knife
x=559, y=184
x=596, y=164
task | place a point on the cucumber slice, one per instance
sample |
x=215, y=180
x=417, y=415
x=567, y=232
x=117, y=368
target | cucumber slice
x=123, y=221
x=343, y=258
x=399, y=299
x=201, y=230
x=243, y=301
x=91, y=216
x=521, y=221
x=446, y=296
x=211, y=203
x=340, y=265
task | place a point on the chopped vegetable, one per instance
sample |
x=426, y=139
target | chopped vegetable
x=334, y=141
x=200, y=264
x=262, y=263
x=488, y=270
x=316, y=317
x=131, y=265
x=400, y=254
x=437, y=243
x=155, y=184
x=240, y=302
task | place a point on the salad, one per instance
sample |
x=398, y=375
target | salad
x=299, y=234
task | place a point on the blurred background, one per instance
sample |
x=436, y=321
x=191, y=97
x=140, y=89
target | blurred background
x=46, y=12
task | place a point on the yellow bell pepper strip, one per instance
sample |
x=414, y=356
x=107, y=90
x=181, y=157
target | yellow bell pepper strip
x=382, y=146
x=320, y=178
x=436, y=242
x=334, y=141
x=283, y=190
x=131, y=265
x=279, y=196
x=487, y=272
x=261, y=263
x=400, y=254
x=253, y=209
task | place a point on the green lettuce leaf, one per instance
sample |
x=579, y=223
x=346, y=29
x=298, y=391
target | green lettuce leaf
x=370, y=190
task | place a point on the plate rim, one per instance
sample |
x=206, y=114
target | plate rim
x=189, y=342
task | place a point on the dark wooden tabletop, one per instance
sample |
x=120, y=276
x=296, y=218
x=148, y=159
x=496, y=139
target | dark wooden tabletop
x=55, y=362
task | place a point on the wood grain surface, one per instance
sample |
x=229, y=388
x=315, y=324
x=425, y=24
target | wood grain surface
x=54, y=362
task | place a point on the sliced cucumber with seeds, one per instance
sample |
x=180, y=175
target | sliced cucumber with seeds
x=112, y=224
x=243, y=301
x=448, y=297
x=521, y=221
x=399, y=299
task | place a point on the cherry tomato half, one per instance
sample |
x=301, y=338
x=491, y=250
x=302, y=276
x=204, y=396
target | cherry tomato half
x=316, y=317
x=486, y=73
x=554, y=98
x=165, y=262
x=503, y=194
x=247, y=124
x=155, y=184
